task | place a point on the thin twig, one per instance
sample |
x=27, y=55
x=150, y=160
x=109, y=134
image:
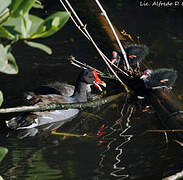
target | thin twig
x=69, y=134
x=114, y=32
x=79, y=27
x=124, y=33
x=106, y=60
x=165, y=130
x=84, y=65
x=107, y=63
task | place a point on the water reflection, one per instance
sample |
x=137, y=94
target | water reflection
x=117, y=133
x=116, y=148
x=125, y=150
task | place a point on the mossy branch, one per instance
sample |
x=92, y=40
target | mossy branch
x=63, y=106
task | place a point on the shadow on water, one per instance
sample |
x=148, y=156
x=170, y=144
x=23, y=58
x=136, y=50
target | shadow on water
x=118, y=147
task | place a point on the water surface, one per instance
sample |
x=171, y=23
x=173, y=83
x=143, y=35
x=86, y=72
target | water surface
x=117, y=147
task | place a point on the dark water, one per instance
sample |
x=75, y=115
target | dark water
x=117, y=147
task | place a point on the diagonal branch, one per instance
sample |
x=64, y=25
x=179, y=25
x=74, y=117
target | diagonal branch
x=114, y=32
x=87, y=34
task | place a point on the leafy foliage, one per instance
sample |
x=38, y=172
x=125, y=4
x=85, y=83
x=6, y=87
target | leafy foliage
x=17, y=24
x=1, y=98
x=3, y=152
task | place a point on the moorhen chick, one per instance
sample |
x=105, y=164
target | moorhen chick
x=135, y=55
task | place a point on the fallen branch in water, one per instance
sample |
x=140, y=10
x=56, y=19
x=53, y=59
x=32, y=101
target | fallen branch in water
x=48, y=107
x=176, y=176
x=164, y=130
x=69, y=134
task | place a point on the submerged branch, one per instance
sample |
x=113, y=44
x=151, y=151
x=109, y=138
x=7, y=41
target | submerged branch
x=52, y=106
x=178, y=175
x=164, y=130
x=69, y=134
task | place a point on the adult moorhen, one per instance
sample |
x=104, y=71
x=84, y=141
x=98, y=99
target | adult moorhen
x=35, y=119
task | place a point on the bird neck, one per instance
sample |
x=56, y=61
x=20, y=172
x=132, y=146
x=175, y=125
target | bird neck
x=80, y=94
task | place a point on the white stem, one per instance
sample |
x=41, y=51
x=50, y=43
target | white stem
x=114, y=32
x=73, y=19
x=85, y=34
x=73, y=60
x=106, y=60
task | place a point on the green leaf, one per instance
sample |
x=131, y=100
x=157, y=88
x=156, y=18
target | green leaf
x=4, y=4
x=5, y=34
x=25, y=26
x=1, y=98
x=36, y=22
x=7, y=61
x=17, y=26
x=14, y=5
x=21, y=7
x=51, y=24
x=13, y=25
x=12, y=67
x=39, y=46
x=4, y=15
x=3, y=152
x=38, y=4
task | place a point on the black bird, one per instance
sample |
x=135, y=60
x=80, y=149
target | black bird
x=159, y=78
x=35, y=119
x=150, y=81
x=135, y=55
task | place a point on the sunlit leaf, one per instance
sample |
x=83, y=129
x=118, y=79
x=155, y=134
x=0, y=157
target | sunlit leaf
x=38, y=4
x=21, y=29
x=7, y=62
x=5, y=34
x=1, y=178
x=4, y=15
x=51, y=24
x=56, y=22
x=3, y=58
x=25, y=26
x=14, y=5
x=13, y=25
x=36, y=22
x=21, y=7
x=4, y=4
x=1, y=98
x=39, y=46
x=12, y=65
x=3, y=152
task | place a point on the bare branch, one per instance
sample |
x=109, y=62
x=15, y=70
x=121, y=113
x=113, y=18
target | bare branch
x=87, y=34
x=176, y=176
x=164, y=130
x=52, y=106
x=114, y=32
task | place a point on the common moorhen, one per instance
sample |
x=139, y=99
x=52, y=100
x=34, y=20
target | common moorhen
x=35, y=119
